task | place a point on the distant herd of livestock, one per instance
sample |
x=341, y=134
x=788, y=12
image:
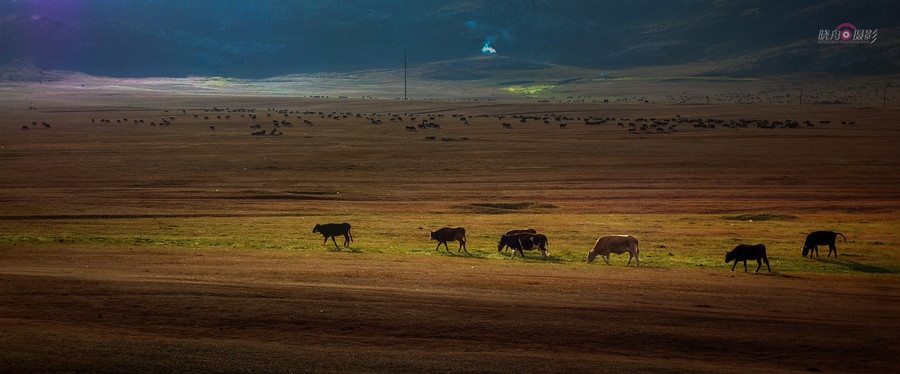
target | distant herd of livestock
x=529, y=239
x=428, y=121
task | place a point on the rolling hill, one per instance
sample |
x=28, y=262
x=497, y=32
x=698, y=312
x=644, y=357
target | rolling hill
x=242, y=39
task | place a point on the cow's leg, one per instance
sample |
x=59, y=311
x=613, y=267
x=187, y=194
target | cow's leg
x=630, y=257
x=745, y=265
x=326, y=240
x=438, y=246
x=521, y=252
x=346, y=241
x=462, y=245
x=766, y=259
x=831, y=247
x=606, y=258
x=445, y=247
x=733, y=266
x=759, y=265
x=333, y=241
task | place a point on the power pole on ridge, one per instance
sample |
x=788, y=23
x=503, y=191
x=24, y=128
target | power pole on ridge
x=404, y=75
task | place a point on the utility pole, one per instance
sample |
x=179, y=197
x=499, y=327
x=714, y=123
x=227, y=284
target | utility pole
x=404, y=75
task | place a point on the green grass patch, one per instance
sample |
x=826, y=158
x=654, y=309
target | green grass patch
x=683, y=241
x=533, y=90
x=219, y=81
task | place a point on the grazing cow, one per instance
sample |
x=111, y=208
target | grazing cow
x=817, y=238
x=447, y=234
x=616, y=244
x=744, y=252
x=330, y=230
x=24, y=128
x=514, y=232
x=524, y=242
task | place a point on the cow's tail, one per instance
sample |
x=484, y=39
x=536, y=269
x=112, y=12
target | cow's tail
x=349, y=235
x=842, y=235
x=637, y=253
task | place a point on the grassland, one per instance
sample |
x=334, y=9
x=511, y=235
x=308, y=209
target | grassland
x=671, y=241
x=188, y=247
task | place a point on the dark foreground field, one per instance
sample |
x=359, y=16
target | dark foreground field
x=126, y=247
x=122, y=310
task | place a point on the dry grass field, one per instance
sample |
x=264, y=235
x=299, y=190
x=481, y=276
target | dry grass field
x=185, y=244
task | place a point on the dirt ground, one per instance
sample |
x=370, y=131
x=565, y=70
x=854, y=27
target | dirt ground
x=121, y=310
x=82, y=308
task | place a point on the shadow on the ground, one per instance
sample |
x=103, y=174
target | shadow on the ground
x=856, y=266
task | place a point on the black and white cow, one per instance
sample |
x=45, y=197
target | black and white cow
x=524, y=242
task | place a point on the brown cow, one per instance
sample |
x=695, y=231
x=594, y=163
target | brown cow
x=616, y=244
x=447, y=234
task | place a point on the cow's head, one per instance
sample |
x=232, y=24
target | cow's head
x=316, y=229
x=729, y=256
x=805, y=250
x=591, y=256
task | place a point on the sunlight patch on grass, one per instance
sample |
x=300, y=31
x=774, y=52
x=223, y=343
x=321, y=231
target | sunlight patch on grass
x=532, y=90
x=219, y=82
x=681, y=241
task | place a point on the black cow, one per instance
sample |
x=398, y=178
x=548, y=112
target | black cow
x=514, y=232
x=524, y=242
x=447, y=234
x=330, y=230
x=817, y=238
x=744, y=252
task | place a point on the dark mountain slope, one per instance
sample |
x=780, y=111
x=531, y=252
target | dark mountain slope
x=266, y=38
